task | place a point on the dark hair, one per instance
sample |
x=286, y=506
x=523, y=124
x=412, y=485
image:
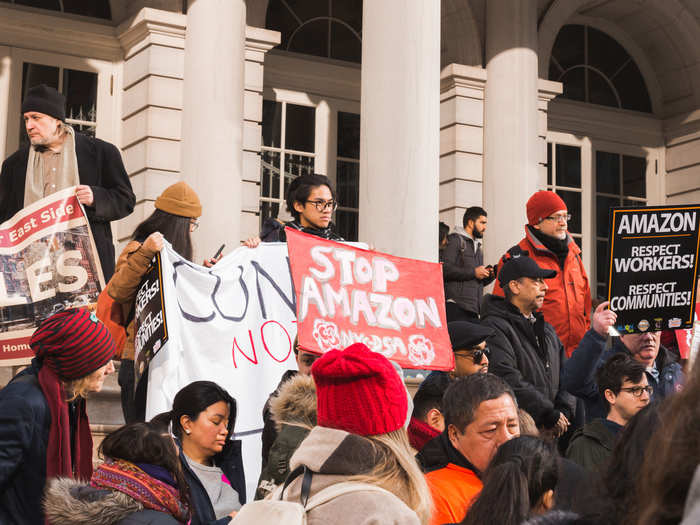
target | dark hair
x=559, y=517
x=463, y=397
x=619, y=368
x=444, y=230
x=429, y=394
x=194, y=399
x=174, y=228
x=667, y=472
x=301, y=187
x=520, y=473
x=472, y=214
x=146, y=443
x=616, y=497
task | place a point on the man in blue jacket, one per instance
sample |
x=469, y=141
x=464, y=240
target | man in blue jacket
x=662, y=369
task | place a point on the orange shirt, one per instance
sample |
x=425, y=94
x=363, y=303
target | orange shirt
x=453, y=488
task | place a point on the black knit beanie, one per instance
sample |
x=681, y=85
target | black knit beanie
x=45, y=99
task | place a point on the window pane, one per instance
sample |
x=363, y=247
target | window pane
x=632, y=88
x=602, y=290
x=575, y=84
x=281, y=19
x=54, y=5
x=568, y=166
x=344, y=44
x=80, y=88
x=604, y=53
x=573, y=204
x=631, y=203
x=272, y=123
x=348, y=177
x=270, y=170
x=346, y=224
x=35, y=74
x=267, y=210
x=602, y=209
x=348, y=135
x=602, y=263
x=568, y=47
x=300, y=133
x=349, y=11
x=311, y=39
x=549, y=163
x=599, y=91
x=634, y=179
x=607, y=167
x=94, y=8
x=296, y=165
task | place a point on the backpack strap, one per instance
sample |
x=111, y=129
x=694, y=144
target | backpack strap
x=345, y=487
x=305, y=483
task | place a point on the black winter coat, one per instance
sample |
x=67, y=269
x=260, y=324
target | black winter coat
x=230, y=461
x=459, y=260
x=100, y=166
x=529, y=358
x=24, y=434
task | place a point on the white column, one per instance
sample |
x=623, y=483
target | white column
x=511, y=154
x=399, y=141
x=212, y=123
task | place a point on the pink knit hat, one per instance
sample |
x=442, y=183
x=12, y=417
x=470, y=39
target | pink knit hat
x=543, y=204
x=359, y=391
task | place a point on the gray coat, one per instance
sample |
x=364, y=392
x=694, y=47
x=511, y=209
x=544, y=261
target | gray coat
x=459, y=260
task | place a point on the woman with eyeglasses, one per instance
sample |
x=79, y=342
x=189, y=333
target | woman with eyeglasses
x=311, y=201
x=176, y=216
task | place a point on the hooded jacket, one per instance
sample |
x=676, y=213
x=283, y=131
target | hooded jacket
x=100, y=166
x=567, y=303
x=70, y=502
x=293, y=411
x=578, y=373
x=334, y=456
x=529, y=358
x=453, y=481
x=591, y=445
x=459, y=260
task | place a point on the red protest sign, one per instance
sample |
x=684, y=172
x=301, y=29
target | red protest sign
x=346, y=295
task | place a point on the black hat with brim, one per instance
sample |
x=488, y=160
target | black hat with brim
x=522, y=266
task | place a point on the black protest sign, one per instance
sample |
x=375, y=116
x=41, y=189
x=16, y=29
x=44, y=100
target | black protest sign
x=149, y=318
x=653, y=267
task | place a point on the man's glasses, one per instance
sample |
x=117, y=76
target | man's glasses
x=475, y=355
x=558, y=218
x=323, y=205
x=637, y=391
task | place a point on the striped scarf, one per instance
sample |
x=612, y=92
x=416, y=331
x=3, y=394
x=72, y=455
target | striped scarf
x=152, y=493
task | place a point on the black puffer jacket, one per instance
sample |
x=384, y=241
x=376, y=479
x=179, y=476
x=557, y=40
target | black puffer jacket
x=529, y=357
x=459, y=260
x=273, y=231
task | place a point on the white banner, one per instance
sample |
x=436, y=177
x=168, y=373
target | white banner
x=233, y=324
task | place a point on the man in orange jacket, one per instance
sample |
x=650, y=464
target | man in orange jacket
x=480, y=415
x=567, y=304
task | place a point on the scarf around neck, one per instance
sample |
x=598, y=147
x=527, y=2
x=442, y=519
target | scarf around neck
x=151, y=492
x=34, y=179
x=59, y=459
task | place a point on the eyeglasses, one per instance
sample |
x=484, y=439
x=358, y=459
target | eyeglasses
x=558, y=218
x=323, y=205
x=637, y=391
x=194, y=224
x=475, y=355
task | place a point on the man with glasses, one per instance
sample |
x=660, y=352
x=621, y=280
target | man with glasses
x=567, y=303
x=623, y=387
x=525, y=349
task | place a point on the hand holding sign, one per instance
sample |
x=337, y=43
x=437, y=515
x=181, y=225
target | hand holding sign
x=603, y=319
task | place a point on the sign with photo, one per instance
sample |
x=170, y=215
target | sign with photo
x=149, y=318
x=653, y=267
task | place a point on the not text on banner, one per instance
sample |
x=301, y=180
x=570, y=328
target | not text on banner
x=345, y=295
x=653, y=266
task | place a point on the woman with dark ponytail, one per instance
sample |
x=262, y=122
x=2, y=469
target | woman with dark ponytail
x=519, y=483
x=311, y=201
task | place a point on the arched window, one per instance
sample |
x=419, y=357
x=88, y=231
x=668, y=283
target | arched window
x=324, y=28
x=594, y=68
x=93, y=8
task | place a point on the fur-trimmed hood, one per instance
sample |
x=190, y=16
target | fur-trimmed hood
x=295, y=403
x=69, y=502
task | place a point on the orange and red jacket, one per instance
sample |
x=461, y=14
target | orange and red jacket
x=453, y=489
x=567, y=303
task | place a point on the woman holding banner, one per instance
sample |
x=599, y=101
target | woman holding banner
x=44, y=428
x=202, y=420
x=311, y=201
x=175, y=218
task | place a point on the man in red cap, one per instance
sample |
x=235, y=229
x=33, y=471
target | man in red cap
x=567, y=303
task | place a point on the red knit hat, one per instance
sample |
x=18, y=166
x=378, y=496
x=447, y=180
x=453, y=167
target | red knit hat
x=543, y=204
x=73, y=343
x=359, y=391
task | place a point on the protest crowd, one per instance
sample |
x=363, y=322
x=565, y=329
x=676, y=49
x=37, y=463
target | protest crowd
x=546, y=417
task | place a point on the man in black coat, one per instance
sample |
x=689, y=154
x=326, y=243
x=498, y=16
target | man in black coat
x=525, y=351
x=463, y=267
x=61, y=158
